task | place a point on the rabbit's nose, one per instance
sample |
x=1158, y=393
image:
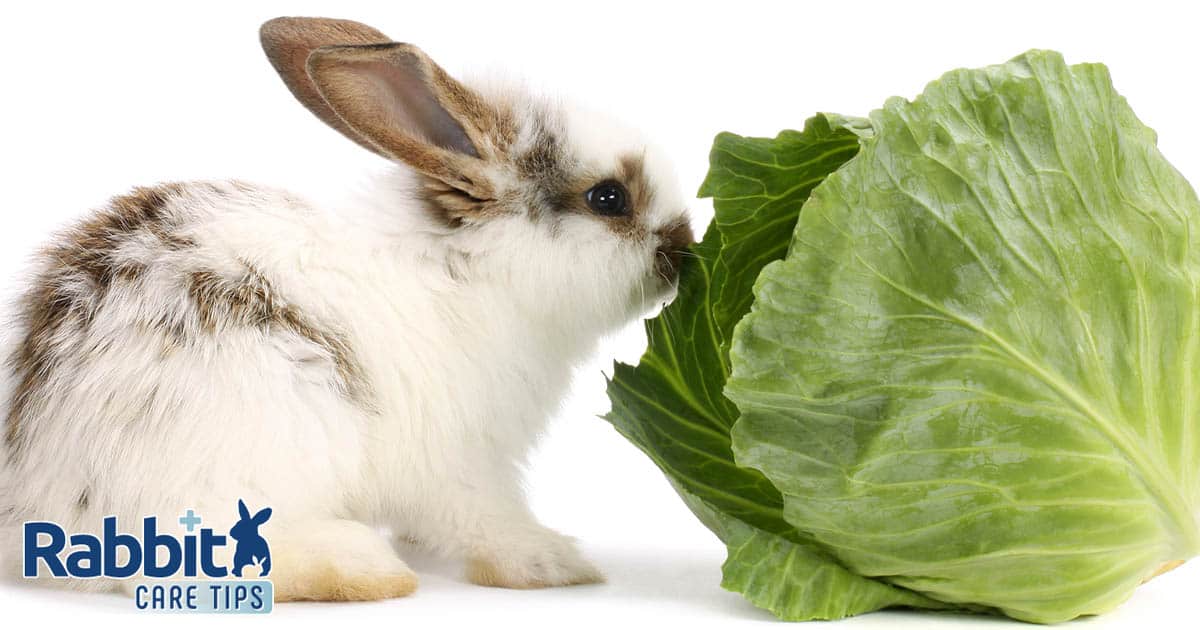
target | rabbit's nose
x=666, y=263
x=673, y=240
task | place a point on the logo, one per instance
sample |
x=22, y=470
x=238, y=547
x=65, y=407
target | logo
x=160, y=556
x=252, y=549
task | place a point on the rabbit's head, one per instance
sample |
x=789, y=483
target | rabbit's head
x=247, y=526
x=573, y=214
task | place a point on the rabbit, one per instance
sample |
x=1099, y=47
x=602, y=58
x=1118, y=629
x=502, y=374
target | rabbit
x=371, y=369
x=252, y=549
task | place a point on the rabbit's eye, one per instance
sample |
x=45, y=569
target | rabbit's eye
x=608, y=198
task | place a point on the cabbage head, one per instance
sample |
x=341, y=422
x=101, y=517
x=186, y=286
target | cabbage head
x=942, y=357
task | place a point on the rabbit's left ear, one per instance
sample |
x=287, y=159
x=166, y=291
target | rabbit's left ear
x=394, y=100
x=288, y=41
x=243, y=511
x=262, y=516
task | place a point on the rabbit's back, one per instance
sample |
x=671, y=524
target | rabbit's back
x=157, y=348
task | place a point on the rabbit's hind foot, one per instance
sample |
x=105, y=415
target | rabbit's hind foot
x=337, y=561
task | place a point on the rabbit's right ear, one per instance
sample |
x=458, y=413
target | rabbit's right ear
x=243, y=511
x=262, y=516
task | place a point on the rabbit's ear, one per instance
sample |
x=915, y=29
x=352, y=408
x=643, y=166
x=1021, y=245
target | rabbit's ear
x=410, y=110
x=243, y=511
x=262, y=516
x=288, y=41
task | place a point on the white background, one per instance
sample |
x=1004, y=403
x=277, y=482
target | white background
x=100, y=97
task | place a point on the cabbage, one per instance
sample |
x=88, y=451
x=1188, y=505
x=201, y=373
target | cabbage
x=941, y=358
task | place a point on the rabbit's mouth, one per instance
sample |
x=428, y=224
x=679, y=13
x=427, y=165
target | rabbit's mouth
x=658, y=290
x=668, y=293
x=665, y=273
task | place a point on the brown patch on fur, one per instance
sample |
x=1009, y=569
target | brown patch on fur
x=45, y=308
x=84, y=500
x=566, y=191
x=452, y=206
x=89, y=248
x=250, y=300
x=544, y=160
x=328, y=584
x=632, y=174
x=546, y=167
x=68, y=293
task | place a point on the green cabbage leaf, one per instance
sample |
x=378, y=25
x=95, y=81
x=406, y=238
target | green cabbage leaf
x=939, y=358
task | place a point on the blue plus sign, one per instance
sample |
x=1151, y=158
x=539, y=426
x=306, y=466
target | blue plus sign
x=189, y=520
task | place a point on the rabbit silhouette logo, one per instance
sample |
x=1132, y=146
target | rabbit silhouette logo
x=252, y=549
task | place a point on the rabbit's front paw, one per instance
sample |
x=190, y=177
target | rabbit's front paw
x=544, y=559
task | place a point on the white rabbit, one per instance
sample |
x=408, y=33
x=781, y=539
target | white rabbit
x=387, y=363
